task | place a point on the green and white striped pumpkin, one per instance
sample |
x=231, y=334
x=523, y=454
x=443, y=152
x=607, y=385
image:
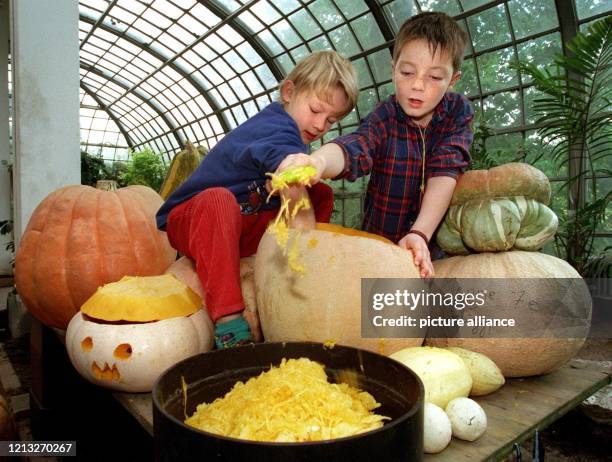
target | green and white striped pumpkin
x=491, y=225
x=499, y=209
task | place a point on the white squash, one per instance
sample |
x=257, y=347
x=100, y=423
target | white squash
x=130, y=357
x=467, y=418
x=486, y=376
x=444, y=374
x=437, y=429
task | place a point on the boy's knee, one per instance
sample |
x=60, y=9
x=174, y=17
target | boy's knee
x=216, y=198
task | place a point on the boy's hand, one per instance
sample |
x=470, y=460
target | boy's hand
x=301, y=160
x=420, y=251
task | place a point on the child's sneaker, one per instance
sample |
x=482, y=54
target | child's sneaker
x=232, y=333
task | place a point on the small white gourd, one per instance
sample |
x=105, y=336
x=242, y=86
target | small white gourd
x=437, y=430
x=467, y=418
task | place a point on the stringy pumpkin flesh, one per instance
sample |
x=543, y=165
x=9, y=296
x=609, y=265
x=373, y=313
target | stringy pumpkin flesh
x=290, y=403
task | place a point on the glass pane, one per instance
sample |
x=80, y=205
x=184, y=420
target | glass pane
x=304, y=24
x=286, y=6
x=367, y=32
x=530, y=94
x=366, y=102
x=286, y=63
x=502, y=110
x=344, y=41
x=495, y=71
x=326, y=13
x=351, y=8
x=489, y=28
x=363, y=73
x=300, y=52
x=449, y=7
x=386, y=90
x=602, y=243
x=380, y=63
x=504, y=148
x=604, y=185
x=467, y=84
x=269, y=42
x=471, y=4
x=398, y=11
x=588, y=8
x=265, y=12
x=532, y=16
x=540, y=51
x=286, y=34
x=539, y=154
x=320, y=43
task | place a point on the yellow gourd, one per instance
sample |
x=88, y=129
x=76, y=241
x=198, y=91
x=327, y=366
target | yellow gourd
x=444, y=374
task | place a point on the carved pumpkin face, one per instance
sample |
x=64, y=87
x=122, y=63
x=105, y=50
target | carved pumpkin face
x=130, y=357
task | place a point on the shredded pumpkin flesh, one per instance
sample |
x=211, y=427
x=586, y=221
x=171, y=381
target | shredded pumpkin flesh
x=294, y=175
x=290, y=403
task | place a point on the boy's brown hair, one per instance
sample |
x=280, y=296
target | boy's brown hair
x=321, y=72
x=439, y=30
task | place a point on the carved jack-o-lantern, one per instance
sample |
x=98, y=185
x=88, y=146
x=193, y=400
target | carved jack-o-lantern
x=128, y=352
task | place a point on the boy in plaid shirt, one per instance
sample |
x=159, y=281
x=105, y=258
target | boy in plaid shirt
x=414, y=144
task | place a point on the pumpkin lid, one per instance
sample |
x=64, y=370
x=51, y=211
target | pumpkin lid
x=142, y=299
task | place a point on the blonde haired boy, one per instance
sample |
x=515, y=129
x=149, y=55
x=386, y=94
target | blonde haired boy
x=413, y=144
x=220, y=213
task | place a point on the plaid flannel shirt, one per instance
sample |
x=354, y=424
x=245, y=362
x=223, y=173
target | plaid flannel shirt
x=388, y=146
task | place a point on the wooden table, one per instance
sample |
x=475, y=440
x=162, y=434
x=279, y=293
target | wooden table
x=514, y=412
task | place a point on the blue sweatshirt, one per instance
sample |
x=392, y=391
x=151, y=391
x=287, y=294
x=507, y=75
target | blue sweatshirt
x=240, y=161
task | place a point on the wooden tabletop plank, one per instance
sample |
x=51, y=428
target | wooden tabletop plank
x=140, y=405
x=522, y=406
x=514, y=412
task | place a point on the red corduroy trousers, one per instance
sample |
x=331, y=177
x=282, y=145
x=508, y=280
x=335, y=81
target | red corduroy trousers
x=210, y=229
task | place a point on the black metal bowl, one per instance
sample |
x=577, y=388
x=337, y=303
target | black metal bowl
x=211, y=375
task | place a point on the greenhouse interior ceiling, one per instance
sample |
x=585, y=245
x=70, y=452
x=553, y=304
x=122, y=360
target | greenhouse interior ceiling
x=160, y=72
x=155, y=74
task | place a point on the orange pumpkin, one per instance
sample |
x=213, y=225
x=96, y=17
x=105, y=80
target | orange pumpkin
x=80, y=238
x=184, y=270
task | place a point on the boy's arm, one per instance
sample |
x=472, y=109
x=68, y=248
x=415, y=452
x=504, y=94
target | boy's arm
x=436, y=200
x=348, y=156
x=328, y=160
x=449, y=159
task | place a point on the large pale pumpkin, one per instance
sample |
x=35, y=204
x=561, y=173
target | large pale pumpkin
x=542, y=280
x=324, y=303
x=80, y=238
x=499, y=209
x=184, y=270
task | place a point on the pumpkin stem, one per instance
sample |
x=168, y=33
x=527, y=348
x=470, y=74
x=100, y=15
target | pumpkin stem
x=106, y=185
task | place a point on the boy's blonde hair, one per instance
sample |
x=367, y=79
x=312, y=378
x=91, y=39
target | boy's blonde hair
x=438, y=29
x=321, y=72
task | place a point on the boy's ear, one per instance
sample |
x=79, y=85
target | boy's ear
x=287, y=91
x=454, y=79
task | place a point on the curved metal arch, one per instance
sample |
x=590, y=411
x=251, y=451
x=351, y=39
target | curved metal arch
x=381, y=21
x=112, y=116
x=172, y=65
x=247, y=36
x=157, y=110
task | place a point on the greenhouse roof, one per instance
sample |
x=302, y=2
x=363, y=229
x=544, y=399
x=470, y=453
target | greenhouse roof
x=160, y=72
